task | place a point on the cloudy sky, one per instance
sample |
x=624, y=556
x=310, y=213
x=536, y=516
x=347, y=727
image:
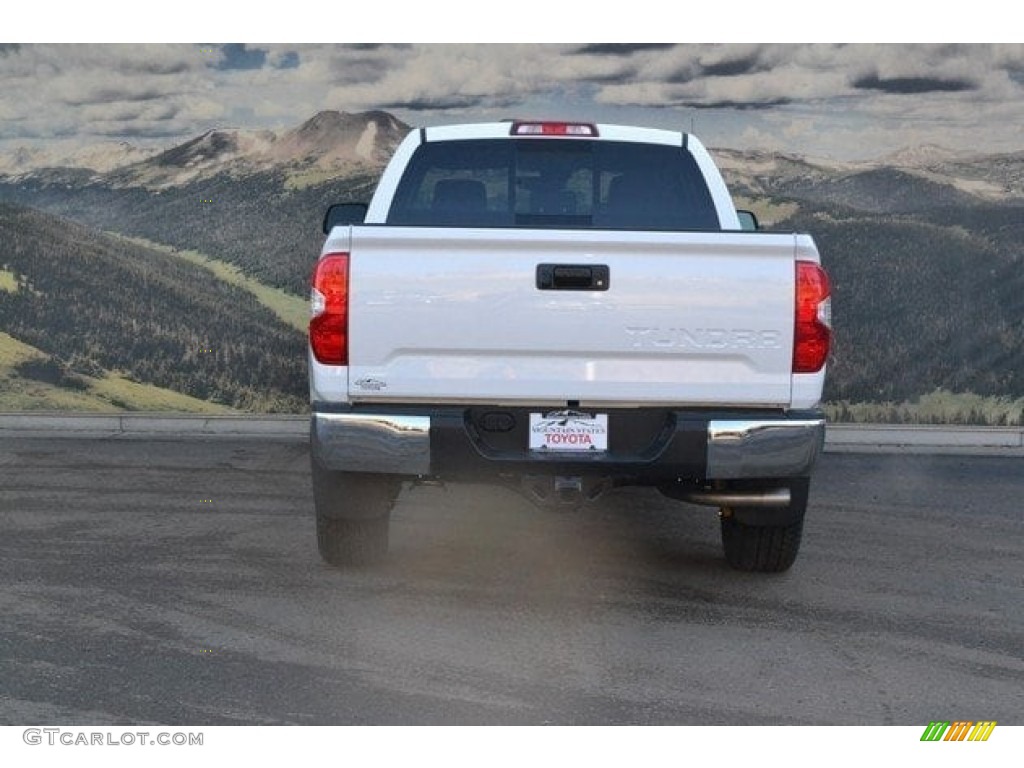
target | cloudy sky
x=851, y=101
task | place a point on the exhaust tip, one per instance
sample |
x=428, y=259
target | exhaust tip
x=773, y=497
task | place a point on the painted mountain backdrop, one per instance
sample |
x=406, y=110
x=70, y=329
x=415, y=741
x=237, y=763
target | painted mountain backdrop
x=178, y=279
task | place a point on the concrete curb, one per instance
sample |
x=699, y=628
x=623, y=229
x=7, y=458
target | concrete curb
x=150, y=424
x=890, y=438
x=841, y=438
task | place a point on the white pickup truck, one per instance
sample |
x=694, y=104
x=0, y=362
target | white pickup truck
x=564, y=307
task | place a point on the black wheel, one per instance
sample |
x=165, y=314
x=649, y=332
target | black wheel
x=761, y=547
x=353, y=512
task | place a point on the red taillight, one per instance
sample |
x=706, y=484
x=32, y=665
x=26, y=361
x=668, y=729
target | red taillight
x=548, y=128
x=813, y=334
x=328, y=328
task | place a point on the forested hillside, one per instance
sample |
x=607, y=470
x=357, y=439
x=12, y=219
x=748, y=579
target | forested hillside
x=921, y=305
x=95, y=303
x=927, y=261
x=272, y=232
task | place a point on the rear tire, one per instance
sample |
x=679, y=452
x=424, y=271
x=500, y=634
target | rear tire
x=353, y=513
x=766, y=548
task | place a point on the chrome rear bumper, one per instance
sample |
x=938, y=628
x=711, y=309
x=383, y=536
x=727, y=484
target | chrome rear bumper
x=761, y=448
x=361, y=442
x=769, y=448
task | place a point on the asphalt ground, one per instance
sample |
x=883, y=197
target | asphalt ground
x=148, y=580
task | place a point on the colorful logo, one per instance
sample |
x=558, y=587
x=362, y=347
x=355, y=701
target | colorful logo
x=960, y=730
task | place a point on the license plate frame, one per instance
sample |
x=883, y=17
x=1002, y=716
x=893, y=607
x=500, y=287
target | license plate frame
x=567, y=431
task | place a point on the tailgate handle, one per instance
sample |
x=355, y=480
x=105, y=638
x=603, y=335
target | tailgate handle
x=572, y=277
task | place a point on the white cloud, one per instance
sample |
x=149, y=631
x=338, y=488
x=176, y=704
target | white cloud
x=942, y=94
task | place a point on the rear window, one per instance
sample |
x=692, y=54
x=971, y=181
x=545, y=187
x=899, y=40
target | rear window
x=553, y=183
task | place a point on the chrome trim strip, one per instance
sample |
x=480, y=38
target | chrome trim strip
x=763, y=449
x=360, y=442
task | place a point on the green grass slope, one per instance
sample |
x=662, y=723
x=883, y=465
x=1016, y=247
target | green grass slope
x=24, y=387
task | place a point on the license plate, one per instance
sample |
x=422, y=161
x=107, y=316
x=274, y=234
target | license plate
x=569, y=431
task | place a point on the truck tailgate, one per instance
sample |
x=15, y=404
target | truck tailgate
x=456, y=315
